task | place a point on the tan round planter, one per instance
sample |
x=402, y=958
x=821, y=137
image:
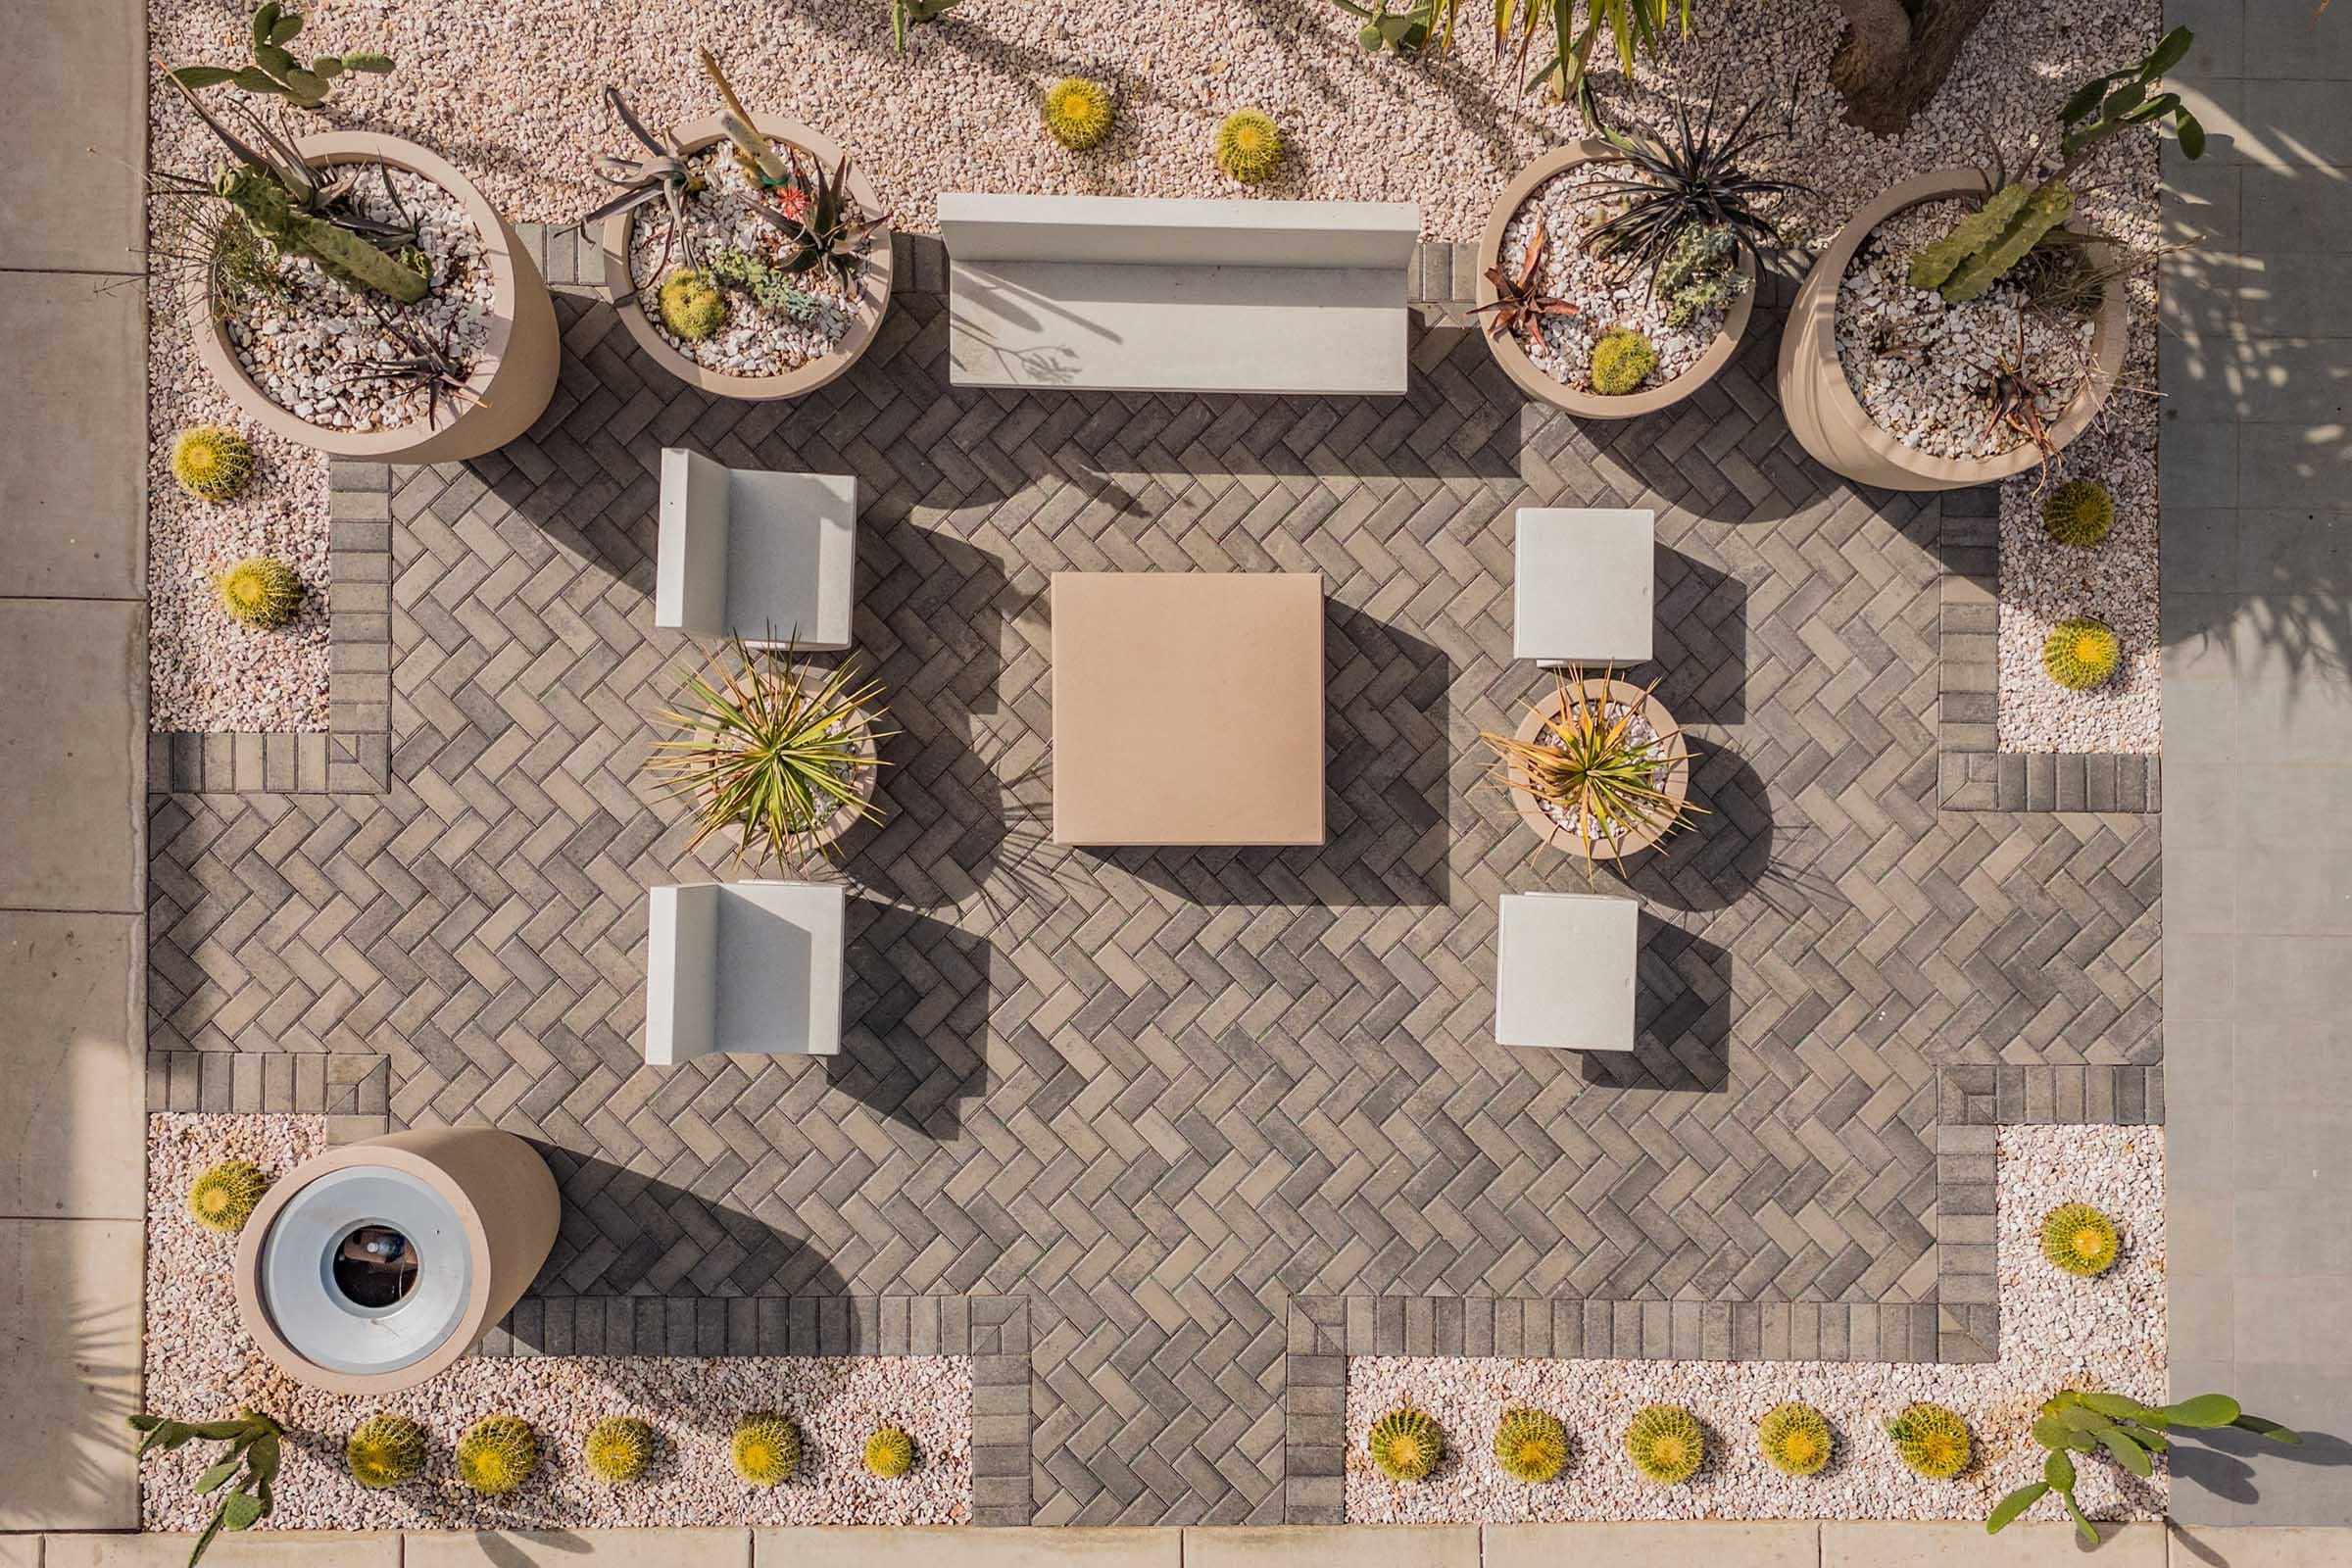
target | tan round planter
x=1677, y=774
x=1828, y=419
x=512, y=382
x=1531, y=378
x=504, y=1199
x=873, y=283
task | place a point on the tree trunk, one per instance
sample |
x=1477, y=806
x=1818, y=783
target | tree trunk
x=1896, y=54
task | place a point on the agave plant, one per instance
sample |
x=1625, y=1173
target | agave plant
x=2073, y=1421
x=821, y=221
x=773, y=752
x=1694, y=177
x=1518, y=305
x=247, y=1466
x=664, y=176
x=1592, y=772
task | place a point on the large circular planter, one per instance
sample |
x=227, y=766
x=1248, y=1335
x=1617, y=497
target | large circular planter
x=1678, y=772
x=512, y=382
x=873, y=281
x=1829, y=421
x=1532, y=378
x=477, y=1209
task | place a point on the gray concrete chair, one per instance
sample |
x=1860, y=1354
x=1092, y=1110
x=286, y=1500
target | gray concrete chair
x=750, y=968
x=1583, y=585
x=767, y=557
x=1564, y=971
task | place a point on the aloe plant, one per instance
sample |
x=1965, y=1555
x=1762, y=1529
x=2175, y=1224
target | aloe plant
x=247, y=1467
x=2076, y=1421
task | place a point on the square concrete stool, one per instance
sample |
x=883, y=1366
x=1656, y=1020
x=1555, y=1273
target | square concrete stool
x=749, y=968
x=770, y=558
x=1564, y=971
x=1583, y=585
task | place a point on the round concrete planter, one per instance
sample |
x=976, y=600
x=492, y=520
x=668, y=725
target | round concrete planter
x=873, y=282
x=511, y=381
x=1678, y=773
x=1531, y=378
x=480, y=1209
x=1829, y=423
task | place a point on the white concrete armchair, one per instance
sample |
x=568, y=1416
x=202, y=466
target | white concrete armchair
x=1564, y=971
x=748, y=967
x=767, y=557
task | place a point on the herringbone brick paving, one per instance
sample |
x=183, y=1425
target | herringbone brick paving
x=1162, y=1092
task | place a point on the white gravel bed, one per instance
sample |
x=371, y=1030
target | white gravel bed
x=756, y=341
x=1607, y=293
x=2055, y=1330
x=199, y=1364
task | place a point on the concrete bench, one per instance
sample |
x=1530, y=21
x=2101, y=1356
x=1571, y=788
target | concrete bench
x=1114, y=293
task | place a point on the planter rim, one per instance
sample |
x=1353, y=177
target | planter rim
x=212, y=348
x=1678, y=772
x=1531, y=376
x=1828, y=409
x=873, y=283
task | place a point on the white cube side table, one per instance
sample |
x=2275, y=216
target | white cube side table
x=1564, y=971
x=1583, y=585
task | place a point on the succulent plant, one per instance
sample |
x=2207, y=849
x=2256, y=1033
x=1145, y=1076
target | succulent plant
x=212, y=462
x=1519, y=305
x=889, y=1452
x=1531, y=1446
x=619, y=1447
x=2079, y=512
x=770, y=287
x=384, y=1451
x=1622, y=360
x=222, y=1196
x=497, y=1454
x=1796, y=1438
x=1930, y=1439
x=1700, y=272
x=1249, y=146
x=1985, y=244
x=1077, y=111
x=276, y=70
x=904, y=14
x=1665, y=1443
x=766, y=1450
x=2078, y=1239
x=2074, y=1421
x=821, y=220
x=260, y=591
x=2080, y=654
x=240, y=1479
x=351, y=260
x=692, y=307
x=1405, y=1443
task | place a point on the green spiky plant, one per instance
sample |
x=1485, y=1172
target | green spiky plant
x=1665, y=1443
x=889, y=1452
x=1695, y=178
x=821, y=220
x=497, y=1454
x=1796, y=1438
x=259, y=594
x=1405, y=1443
x=2077, y=1239
x=223, y=1196
x=691, y=305
x=212, y=462
x=1589, y=768
x=2076, y=1421
x=1622, y=360
x=619, y=1448
x=1249, y=146
x=766, y=1450
x=384, y=1451
x=254, y=1446
x=1633, y=25
x=276, y=71
x=270, y=210
x=2080, y=654
x=1700, y=273
x=904, y=14
x=1531, y=1446
x=2079, y=513
x=1077, y=112
x=1931, y=1439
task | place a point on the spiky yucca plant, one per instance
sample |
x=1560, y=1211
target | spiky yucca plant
x=1696, y=176
x=1665, y=1443
x=1249, y=146
x=384, y=1451
x=212, y=462
x=2081, y=653
x=1796, y=1438
x=2079, y=512
x=889, y=1452
x=1931, y=1439
x=1622, y=360
x=259, y=593
x=766, y=1450
x=1589, y=767
x=2078, y=1239
x=223, y=1196
x=619, y=1447
x=1531, y=1446
x=1405, y=1443
x=497, y=1454
x=1077, y=111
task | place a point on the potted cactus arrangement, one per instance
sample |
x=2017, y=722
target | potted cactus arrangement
x=743, y=252
x=350, y=292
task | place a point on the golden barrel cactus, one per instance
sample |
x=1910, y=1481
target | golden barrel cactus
x=1077, y=111
x=1249, y=146
x=2078, y=1239
x=1796, y=1438
x=766, y=1450
x=1405, y=1443
x=619, y=1447
x=384, y=1451
x=1531, y=1446
x=1665, y=1443
x=889, y=1452
x=1931, y=1439
x=212, y=462
x=223, y=1196
x=497, y=1454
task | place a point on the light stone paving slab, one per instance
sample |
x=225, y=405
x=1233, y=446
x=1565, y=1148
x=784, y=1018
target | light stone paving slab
x=1879, y=1543
x=966, y=1546
x=73, y=745
x=2253, y=1547
x=257, y=1548
x=74, y=77
x=1322, y=1545
x=70, y=1361
x=73, y=496
x=72, y=1059
x=1793, y=1543
x=20, y=1551
x=549, y=1548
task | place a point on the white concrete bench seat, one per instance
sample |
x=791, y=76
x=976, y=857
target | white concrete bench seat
x=749, y=968
x=770, y=558
x=1118, y=293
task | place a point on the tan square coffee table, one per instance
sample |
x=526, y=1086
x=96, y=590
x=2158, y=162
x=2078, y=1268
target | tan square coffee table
x=1188, y=708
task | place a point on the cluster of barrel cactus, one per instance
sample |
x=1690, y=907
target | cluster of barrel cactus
x=1622, y=360
x=212, y=462
x=1249, y=146
x=384, y=1451
x=1931, y=1439
x=766, y=1450
x=223, y=1196
x=2080, y=654
x=276, y=70
x=1405, y=1443
x=1077, y=111
x=2078, y=1239
x=1665, y=1443
x=1794, y=1437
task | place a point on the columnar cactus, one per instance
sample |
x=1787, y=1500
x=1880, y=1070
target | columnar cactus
x=2079, y=512
x=1249, y=146
x=1531, y=1446
x=497, y=1454
x=766, y=1450
x=1665, y=1443
x=1931, y=1439
x=222, y=1196
x=889, y=1452
x=1077, y=112
x=1796, y=1438
x=619, y=1447
x=259, y=593
x=276, y=70
x=337, y=252
x=2078, y=1239
x=212, y=462
x=384, y=1451
x=1405, y=1443
x=2080, y=654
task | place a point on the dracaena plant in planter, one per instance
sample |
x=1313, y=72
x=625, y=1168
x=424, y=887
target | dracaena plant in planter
x=2074, y=1421
x=1617, y=273
x=744, y=254
x=350, y=292
x=1598, y=770
x=1960, y=330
